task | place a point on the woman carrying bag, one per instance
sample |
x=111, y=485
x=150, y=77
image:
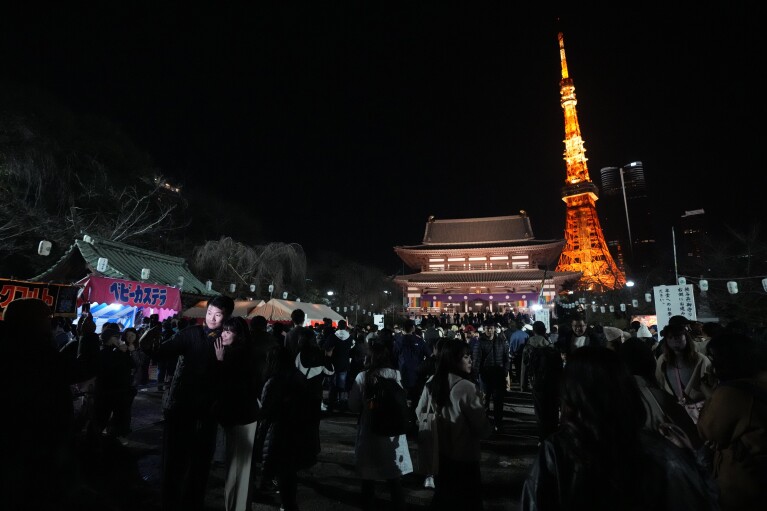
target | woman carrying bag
x=461, y=424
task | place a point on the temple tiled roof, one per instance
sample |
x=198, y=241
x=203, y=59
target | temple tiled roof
x=124, y=262
x=472, y=231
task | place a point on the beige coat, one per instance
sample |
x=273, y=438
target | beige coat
x=736, y=422
x=700, y=385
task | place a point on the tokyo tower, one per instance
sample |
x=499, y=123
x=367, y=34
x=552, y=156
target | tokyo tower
x=585, y=248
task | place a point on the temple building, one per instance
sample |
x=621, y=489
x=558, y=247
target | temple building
x=475, y=265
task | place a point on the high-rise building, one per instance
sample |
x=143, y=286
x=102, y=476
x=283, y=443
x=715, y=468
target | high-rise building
x=690, y=243
x=585, y=248
x=626, y=216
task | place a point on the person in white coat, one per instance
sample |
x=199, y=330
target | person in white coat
x=462, y=423
x=378, y=458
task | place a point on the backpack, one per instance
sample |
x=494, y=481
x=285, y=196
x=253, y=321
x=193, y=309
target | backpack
x=386, y=401
x=545, y=366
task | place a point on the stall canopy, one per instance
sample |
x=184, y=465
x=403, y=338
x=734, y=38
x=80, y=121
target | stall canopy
x=131, y=293
x=119, y=300
x=241, y=308
x=280, y=310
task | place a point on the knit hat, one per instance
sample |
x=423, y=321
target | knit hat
x=644, y=332
x=613, y=333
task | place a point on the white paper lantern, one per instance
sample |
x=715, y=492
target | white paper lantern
x=180, y=281
x=232, y=288
x=681, y=281
x=285, y=295
x=764, y=284
x=623, y=307
x=635, y=303
x=44, y=248
x=732, y=287
x=252, y=288
x=703, y=285
x=102, y=264
x=612, y=308
x=647, y=297
x=602, y=309
x=208, y=285
x=593, y=308
x=145, y=273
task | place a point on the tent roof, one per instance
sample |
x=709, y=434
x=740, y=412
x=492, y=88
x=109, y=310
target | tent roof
x=279, y=310
x=124, y=262
x=241, y=308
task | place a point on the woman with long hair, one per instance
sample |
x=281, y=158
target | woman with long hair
x=236, y=407
x=462, y=423
x=602, y=457
x=681, y=370
x=378, y=457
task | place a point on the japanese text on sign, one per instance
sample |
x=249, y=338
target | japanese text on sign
x=126, y=292
x=674, y=301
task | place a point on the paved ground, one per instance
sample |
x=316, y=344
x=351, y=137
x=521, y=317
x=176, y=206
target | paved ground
x=127, y=477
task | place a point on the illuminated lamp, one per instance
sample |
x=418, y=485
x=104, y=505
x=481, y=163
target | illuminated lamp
x=103, y=264
x=208, y=285
x=732, y=287
x=703, y=284
x=681, y=281
x=232, y=287
x=647, y=297
x=635, y=303
x=145, y=273
x=623, y=307
x=44, y=248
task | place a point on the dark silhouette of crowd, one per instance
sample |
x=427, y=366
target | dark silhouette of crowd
x=625, y=421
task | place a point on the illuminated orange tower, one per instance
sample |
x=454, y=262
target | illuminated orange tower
x=585, y=248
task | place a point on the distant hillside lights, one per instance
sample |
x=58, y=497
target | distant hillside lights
x=165, y=185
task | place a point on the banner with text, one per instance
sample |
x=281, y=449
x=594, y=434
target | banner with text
x=61, y=298
x=129, y=292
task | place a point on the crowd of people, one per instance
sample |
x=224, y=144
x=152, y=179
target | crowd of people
x=625, y=420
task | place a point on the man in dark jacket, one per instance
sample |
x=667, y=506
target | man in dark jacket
x=340, y=344
x=297, y=317
x=189, y=438
x=578, y=336
x=410, y=352
x=491, y=354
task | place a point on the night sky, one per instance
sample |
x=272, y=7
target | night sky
x=343, y=128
